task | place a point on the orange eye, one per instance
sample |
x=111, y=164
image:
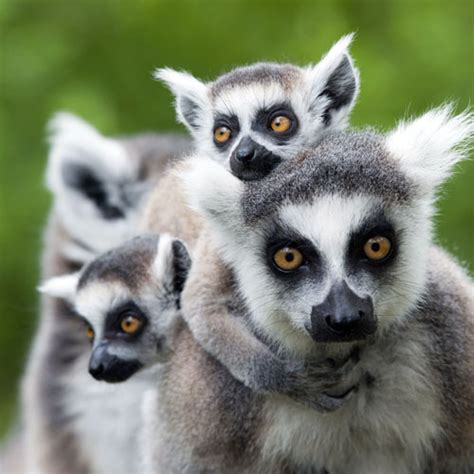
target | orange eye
x=288, y=259
x=222, y=134
x=90, y=333
x=281, y=124
x=130, y=324
x=377, y=248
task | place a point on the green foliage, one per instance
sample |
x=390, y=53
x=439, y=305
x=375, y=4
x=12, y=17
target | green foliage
x=95, y=59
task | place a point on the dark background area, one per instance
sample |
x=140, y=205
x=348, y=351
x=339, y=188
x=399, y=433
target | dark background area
x=95, y=58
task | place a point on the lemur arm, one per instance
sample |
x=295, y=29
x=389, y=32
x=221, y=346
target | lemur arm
x=225, y=335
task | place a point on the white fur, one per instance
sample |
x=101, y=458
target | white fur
x=387, y=428
x=164, y=258
x=211, y=190
x=318, y=75
x=245, y=101
x=429, y=146
x=63, y=286
x=107, y=418
x=74, y=141
x=96, y=299
x=184, y=85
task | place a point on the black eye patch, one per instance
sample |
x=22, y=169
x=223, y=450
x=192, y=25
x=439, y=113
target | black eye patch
x=116, y=315
x=283, y=236
x=376, y=226
x=264, y=118
x=229, y=121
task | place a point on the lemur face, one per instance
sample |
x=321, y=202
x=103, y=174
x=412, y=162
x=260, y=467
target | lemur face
x=253, y=117
x=98, y=182
x=333, y=245
x=129, y=301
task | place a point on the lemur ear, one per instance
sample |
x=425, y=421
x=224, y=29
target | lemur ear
x=86, y=170
x=334, y=85
x=213, y=191
x=429, y=146
x=172, y=263
x=63, y=287
x=191, y=96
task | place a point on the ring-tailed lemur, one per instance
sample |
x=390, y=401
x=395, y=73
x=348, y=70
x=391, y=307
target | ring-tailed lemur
x=214, y=317
x=334, y=251
x=252, y=117
x=98, y=184
x=129, y=301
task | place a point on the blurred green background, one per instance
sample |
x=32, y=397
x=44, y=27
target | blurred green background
x=95, y=59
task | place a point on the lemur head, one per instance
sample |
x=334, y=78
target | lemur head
x=129, y=299
x=253, y=117
x=98, y=182
x=333, y=245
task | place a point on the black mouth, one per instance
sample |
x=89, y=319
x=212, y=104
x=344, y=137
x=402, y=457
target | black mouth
x=341, y=394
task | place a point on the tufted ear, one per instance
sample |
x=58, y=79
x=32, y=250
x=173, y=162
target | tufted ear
x=429, y=146
x=172, y=263
x=333, y=85
x=85, y=169
x=191, y=96
x=63, y=287
x=213, y=191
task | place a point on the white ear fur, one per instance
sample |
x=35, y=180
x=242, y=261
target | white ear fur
x=429, y=146
x=74, y=140
x=190, y=93
x=212, y=190
x=347, y=80
x=63, y=286
x=163, y=263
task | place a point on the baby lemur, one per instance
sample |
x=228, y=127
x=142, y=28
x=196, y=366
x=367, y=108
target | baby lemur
x=253, y=117
x=128, y=300
x=332, y=251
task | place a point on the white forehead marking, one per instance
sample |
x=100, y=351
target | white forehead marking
x=328, y=223
x=249, y=98
x=96, y=299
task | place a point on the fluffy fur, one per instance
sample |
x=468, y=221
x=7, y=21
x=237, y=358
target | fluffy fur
x=87, y=173
x=319, y=96
x=215, y=316
x=412, y=408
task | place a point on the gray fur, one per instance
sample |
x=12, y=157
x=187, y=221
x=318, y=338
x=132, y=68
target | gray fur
x=217, y=319
x=412, y=410
x=345, y=163
x=316, y=98
x=129, y=263
x=284, y=74
x=53, y=442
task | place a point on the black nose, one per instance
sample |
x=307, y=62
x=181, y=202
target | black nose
x=342, y=316
x=251, y=161
x=96, y=369
x=110, y=368
x=245, y=152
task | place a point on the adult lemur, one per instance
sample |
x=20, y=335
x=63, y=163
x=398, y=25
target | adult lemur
x=332, y=251
x=99, y=185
